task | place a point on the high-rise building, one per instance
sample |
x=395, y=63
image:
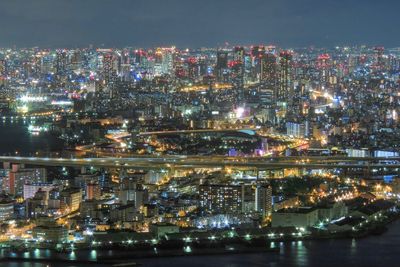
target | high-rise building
x=221, y=66
x=108, y=68
x=268, y=78
x=132, y=192
x=6, y=208
x=323, y=64
x=3, y=69
x=379, y=62
x=284, y=89
x=269, y=69
x=258, y=55
x=263, y=199
x=70, y=199
x=37, y=205
x=30, y=188
x=14, y=182
x=61, y=62
x=125, y=66
x=238, y=71
x=164, y=61
x=221, y=198
x=92, y=191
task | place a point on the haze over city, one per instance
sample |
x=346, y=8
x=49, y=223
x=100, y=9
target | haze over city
x=193, y=23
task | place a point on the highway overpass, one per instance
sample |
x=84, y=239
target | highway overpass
x=183, y=162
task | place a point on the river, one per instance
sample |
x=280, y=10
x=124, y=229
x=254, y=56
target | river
x=372, y=251
x=15, y=138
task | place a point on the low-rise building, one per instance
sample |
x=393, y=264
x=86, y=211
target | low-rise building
x=161, y=229
x=330, y=211
x=299, y=217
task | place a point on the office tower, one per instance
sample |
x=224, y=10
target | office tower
x=221, y=66
x=323, y=64
x=3, y=72
x=269, y=68
x=258, y=56
x=284, y=89
x=164, y=61
x=108, y=68
x=379, y=61
x=125, y=66
x=238, y=71
x=76, y=60
x=139, y=56
x=268, y=79
x=192, y=67
x=3, y=68
x=61, y=62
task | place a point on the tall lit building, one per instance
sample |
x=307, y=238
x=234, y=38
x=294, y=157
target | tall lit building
x=108, y=68
x=379, y=62
x=221, y=198
x=238, y=71
x=221, y=66
x=284, y=89
x=61, y=62
x=258, y=56
x=164, y=61
x=3, y=71
x=323, y=64
x=30, y=188
x=70, y=199
x=18, y=176
x=263, y=199
x=92, y=191
x=268, y=78
x=6, y=208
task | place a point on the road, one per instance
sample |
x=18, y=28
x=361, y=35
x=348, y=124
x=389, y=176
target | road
x=183, y=162
x=195, y=131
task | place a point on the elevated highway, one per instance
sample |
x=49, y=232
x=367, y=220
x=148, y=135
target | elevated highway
x=183, y=162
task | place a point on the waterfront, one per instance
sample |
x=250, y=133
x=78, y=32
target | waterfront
x=371, y=251
x=15, y=137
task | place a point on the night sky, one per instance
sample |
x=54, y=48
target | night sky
x=197, y=23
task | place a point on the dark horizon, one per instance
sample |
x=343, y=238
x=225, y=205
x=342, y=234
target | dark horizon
x=190, y=23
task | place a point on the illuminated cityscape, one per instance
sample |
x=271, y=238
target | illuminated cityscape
x=123, y=155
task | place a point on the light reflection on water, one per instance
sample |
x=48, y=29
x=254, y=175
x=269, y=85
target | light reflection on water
x=371, y=251
x=93, y=254
x=72, y=255
x=16, y=137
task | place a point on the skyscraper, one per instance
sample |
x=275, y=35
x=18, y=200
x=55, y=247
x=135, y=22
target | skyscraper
x=238, y=71
x=221, y=66
x=108, y=68
x=283, y=92
x=61, y=62
x=263, y=199
x=258, y=56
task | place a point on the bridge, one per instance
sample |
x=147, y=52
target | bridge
x=245, y=130
x=184, y=162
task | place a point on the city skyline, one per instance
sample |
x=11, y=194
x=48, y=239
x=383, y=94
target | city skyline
x=143, y=132
x=197, y=23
